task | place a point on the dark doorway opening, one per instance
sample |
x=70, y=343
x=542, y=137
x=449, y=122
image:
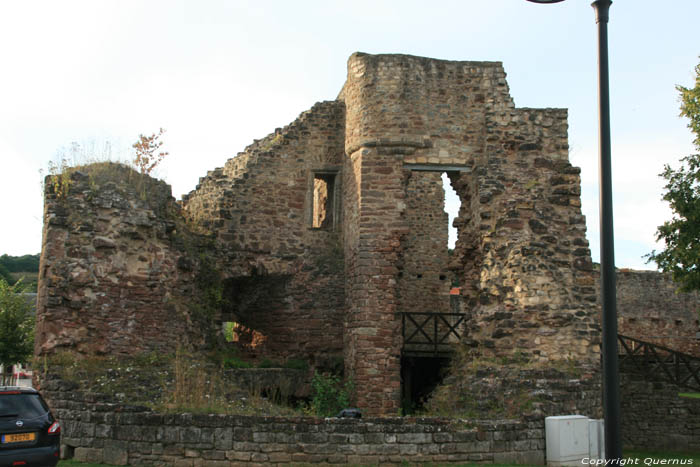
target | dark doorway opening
x=419, y=377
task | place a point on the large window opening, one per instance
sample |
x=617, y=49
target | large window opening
x=323, y=201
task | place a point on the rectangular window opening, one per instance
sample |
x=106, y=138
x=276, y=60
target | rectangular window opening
x=323, y=201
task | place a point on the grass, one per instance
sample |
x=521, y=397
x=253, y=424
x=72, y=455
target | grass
x=72, y=463
x=183, y=382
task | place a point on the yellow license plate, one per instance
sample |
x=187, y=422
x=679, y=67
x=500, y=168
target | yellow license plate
x=19, y=438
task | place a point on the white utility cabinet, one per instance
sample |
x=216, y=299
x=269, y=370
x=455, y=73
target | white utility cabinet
x=596, y=439
x=567, y=439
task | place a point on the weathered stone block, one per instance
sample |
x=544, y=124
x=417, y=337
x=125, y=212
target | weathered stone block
x=88, y=455
x=223, y=438
x=116, y=454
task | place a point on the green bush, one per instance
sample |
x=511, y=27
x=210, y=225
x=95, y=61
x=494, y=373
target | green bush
x=329, y=395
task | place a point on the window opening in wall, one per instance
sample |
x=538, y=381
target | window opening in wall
x=323, y=202
x=452, y=205
x=237, y=333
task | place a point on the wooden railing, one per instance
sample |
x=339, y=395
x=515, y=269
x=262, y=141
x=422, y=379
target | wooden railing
x=656, y=361
x=430, y=333
x=434, y=334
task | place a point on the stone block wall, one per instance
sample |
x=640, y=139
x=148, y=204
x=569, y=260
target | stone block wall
x=655, y=417
x=95, y=430
x=536, y=284
x=650, y=308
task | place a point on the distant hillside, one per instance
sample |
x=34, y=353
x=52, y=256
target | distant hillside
x=13, y=268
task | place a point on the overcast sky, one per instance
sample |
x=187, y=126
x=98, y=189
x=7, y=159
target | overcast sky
x=219, y=74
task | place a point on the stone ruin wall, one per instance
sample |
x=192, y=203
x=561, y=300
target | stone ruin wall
x=423, y=282
x=650, y=308
x=527, y=270
x=521, y=257
x=109, y=276
x=284, y=278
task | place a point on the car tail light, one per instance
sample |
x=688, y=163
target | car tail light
x=19, y=463
x=55, y=428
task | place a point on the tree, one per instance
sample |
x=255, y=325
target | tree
x=5, y=274
x=681, y=256
x=146, y=147
x=26, y=263
x=16, y=327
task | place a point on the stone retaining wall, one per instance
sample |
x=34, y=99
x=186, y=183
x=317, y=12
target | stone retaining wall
x=119, y=436
x=94, y=429
x=655, y=417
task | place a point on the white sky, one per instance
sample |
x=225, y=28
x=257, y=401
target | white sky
x=219, y=74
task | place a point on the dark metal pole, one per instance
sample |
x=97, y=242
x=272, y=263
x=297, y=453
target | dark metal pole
x=611, y=377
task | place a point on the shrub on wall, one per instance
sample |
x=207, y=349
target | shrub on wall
x=329, y=395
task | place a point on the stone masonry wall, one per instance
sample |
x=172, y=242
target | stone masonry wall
x=109, y=276
x=372, y=327
x=424, y=281
x=259, y=205
x=655, y=417
x=115, y=268
x=284, y=277
x=527, y=269
x=94, y=430
x=650, y=308
x=537, y=285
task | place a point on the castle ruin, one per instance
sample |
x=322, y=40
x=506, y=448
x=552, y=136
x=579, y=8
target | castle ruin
x=320, y=239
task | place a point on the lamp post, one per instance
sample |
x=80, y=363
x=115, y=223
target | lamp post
x=611, y=377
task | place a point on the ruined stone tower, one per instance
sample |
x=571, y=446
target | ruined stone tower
x=326, y=233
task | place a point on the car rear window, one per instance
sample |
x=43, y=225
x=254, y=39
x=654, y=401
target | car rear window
x=22, y=405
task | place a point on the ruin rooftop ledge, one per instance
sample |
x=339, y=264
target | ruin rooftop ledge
x=407, y=57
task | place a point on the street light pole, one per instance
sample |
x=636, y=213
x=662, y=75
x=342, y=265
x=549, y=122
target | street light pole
x=611, y=376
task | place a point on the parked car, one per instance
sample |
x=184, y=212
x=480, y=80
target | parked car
x=29, y=433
